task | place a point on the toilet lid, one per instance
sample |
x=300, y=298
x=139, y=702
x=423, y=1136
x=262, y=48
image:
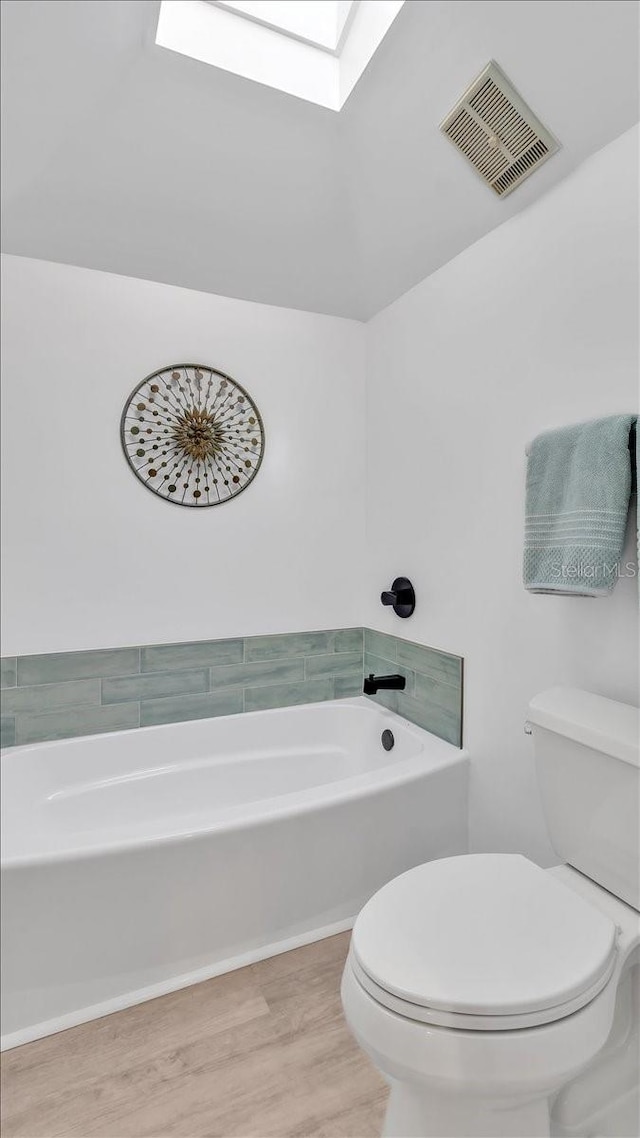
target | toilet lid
x=483, y=935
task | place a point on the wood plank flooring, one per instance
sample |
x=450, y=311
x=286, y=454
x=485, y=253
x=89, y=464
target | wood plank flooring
x=263, y=1052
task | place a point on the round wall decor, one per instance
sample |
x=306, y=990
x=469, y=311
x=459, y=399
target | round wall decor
x=192, y=435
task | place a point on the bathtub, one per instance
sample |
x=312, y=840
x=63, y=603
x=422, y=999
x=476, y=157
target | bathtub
x=141, y=861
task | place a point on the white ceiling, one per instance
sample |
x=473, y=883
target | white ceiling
x=122, y=156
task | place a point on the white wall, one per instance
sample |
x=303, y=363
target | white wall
x=91, y=557
x=533, y=327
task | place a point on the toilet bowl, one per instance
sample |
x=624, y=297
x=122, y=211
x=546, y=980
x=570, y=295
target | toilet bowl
x=498, y=998
x=479, y=986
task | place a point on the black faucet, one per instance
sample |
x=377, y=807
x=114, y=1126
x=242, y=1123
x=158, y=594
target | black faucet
x=373, y=684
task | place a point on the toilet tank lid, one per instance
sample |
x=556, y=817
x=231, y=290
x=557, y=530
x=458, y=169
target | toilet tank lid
x=592, y=720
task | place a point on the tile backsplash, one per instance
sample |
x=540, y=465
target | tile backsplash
x=63, y=694
x=433, y=694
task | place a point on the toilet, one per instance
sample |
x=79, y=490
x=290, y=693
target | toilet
x=497, y=998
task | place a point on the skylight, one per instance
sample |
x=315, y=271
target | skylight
x=313, y=49
x=316, y=21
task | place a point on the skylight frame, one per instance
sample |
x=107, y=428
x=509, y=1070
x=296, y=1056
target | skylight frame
x=215, y=33
x=333, y=46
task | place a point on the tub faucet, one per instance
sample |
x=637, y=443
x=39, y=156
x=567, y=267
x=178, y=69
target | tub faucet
x=373, y=684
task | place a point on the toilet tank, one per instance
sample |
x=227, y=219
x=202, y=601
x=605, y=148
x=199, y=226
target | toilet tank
x=588, y=764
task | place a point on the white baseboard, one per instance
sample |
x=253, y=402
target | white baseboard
x=152, y=991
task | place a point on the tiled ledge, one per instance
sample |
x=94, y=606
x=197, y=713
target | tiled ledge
x=65, y=694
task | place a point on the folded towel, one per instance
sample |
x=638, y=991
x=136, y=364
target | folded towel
x=578, y=488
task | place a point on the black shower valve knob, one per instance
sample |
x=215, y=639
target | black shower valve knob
x=401, y=597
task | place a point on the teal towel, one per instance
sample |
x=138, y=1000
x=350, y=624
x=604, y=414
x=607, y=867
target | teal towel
x=578, y=489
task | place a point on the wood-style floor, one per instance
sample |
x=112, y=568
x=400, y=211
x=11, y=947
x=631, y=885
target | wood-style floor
x=259, y=1053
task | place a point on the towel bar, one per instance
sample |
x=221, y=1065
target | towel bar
x=632, y=442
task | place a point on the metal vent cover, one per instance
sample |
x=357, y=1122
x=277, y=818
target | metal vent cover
x=497, y=132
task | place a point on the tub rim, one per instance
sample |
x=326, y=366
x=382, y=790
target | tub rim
x=262, y=811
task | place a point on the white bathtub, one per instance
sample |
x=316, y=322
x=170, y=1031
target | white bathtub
x=141, y=861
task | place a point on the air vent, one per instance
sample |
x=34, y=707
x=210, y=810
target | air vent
x=499, y=134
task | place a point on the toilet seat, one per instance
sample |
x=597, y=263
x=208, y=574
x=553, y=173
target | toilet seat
x=482, y=942
x=463, y=1022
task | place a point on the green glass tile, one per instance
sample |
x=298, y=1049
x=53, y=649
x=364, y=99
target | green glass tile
x=178, y=709
x=348, y=640
x=375, y=665
x=289, y=644
x=75, y=721
x=198, y=654
x=50, y=697
x=335, y=664
x=432, y=718
x=265, y=672
x=286, y=695
x=443, y=666
x=7, y=731
x=57, y=666
x=154, y=685
x=429, y=690
x=8, y=671
x=379, y=644
x=345, y=687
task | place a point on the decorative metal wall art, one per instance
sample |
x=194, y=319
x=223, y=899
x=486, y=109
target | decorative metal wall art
x=192, y=435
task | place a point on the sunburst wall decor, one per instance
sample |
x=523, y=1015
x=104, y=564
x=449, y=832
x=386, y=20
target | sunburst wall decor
x=192, y=435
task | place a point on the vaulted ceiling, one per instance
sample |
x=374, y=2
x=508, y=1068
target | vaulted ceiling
x=122, y=156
